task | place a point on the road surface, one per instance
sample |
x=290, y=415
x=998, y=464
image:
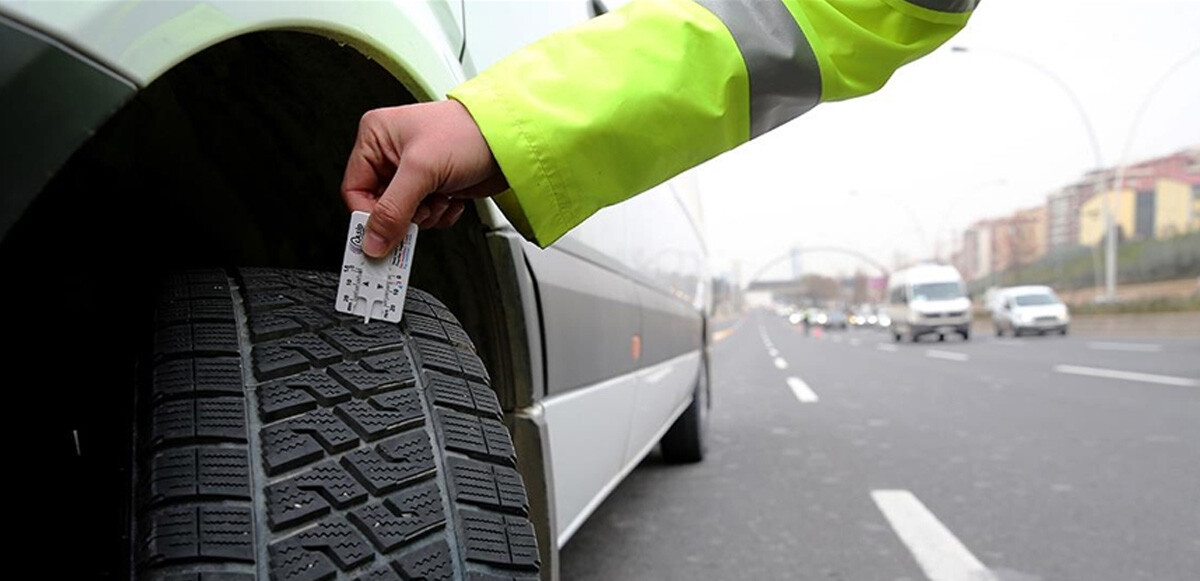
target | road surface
x=851, y=457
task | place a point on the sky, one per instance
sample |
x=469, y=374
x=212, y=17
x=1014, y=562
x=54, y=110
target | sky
x=958, y=136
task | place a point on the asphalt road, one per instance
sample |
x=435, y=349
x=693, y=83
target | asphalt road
x=1056, y=458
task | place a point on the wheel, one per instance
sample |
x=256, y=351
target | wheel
x=998, y=328
x=966, y=335
x=941, y=338
x=896, y=337
x=684, y=441
x=1063, y=331
x=277, y=436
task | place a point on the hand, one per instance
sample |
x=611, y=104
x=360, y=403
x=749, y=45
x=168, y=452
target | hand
x=417, y=163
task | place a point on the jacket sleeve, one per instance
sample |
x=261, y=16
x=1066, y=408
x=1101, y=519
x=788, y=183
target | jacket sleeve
x=602, y=111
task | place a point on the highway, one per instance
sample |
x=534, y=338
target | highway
x=850, y=457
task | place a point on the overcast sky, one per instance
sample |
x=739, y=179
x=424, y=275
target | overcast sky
x=955, y=137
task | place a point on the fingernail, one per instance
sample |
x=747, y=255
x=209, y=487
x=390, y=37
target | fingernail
x=374, y=245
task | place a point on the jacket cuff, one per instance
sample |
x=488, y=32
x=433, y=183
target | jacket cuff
x=534, y=202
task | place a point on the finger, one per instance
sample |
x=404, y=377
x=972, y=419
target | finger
x=368, y=169
x=490, y=186
x=453, y=213
x=394, y=210
x=437, y=206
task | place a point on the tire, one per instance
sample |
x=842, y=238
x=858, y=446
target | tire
x=684, y=442
x=1063, y=331
x=966, y=335
x=896, y=337
x=280, y=440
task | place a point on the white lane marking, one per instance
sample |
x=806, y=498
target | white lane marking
x=837, y=338
x=939, y=553
x=855, y=341
x=803, y=392
x=947, y=355
x=1128, y=375
x=1009, y=342
x=773, y=352
x=780, y=363
x=887, y=347
x=1135, y=347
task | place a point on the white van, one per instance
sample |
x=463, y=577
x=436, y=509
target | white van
x=928, y=299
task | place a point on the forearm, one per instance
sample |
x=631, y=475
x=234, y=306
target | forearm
x=598, y=113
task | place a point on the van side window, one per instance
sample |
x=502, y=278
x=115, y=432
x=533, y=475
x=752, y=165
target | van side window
x=897, y=296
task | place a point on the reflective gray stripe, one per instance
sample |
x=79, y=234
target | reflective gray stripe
x=946, y=5
x=785, y=81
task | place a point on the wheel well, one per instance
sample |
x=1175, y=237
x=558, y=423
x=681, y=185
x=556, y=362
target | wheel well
x=234, y=157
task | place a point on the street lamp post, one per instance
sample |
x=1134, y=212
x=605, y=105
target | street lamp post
x=1110, y=291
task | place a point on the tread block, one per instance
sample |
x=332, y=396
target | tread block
x=458, y=393
x=194, y=285
x=197, y=377
x=487, y=485
x=427, y=563
x=402, y=517
x=184, y=421
x=288, y=319
x=451, y=360
x=199, y=472
x=184, y=311
x=209, y=338
x=319, y=552
x=498, y=539
x=360, y=339
x=182, y=533
x=310, y=495
x=288, y=397
x=383, y=414
x=375, y=373
x=290, y=355
x=489, y=576
x=392, y=462
x=380, y=573
x=479, y=437
x=210, y=576
x=425, y=326
x=304, y=439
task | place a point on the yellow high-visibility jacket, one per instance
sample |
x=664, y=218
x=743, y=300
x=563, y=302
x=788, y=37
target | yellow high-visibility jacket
x=602, y=111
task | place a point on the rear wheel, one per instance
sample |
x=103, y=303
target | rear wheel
x=278, y=439
x=684, y=441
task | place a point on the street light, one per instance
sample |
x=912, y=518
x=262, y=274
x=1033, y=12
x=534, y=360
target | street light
x=1110, y=272
x=1137, y=118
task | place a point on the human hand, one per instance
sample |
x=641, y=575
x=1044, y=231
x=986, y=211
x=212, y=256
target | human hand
x=417, y=163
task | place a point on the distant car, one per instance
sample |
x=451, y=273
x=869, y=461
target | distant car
x=833, y=319
x=1030, y=309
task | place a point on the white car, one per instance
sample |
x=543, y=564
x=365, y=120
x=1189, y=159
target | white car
x=170, y=228
x=1030, y=309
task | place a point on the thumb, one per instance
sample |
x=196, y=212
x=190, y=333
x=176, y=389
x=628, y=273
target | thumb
x=394, y=211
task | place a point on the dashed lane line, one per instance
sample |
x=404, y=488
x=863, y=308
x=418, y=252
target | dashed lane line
x=1132, y=347
x=937, y=551
x=1127, y=375
x=887, y=347
x=802, y=391
x=780, y=363
x=947, y=355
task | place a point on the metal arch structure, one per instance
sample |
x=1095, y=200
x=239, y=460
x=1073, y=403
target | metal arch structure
x=804, y=250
